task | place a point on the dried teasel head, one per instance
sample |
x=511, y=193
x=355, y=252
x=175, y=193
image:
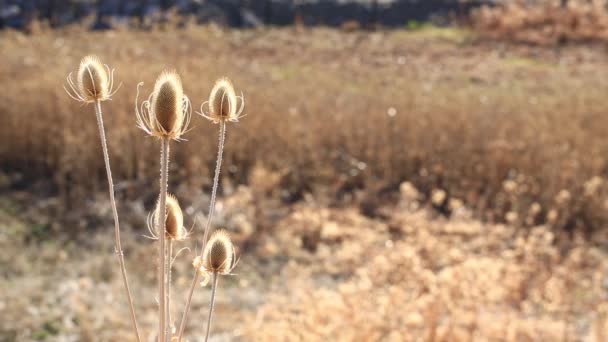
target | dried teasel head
x=223, y=105
x=174, y=222
x=219, y=255
x=94, y=81
x=166, y=113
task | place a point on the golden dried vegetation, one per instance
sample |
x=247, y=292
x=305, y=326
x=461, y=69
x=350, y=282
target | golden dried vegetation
x=512, y=135
x=544, y=22
x=515, y=133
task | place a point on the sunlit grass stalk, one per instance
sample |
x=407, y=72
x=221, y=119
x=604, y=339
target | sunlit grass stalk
x=118, y=247
x=216, y=177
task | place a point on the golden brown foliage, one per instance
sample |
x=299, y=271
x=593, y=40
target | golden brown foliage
x=412, y=279
x=517, y=134
x=319, y=272
x=544, y=22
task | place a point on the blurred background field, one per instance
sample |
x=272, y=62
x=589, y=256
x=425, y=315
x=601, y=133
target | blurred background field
x=439, y=180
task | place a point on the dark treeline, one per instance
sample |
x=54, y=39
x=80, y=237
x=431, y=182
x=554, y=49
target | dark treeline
x=237, y=13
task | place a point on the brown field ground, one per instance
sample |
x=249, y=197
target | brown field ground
x=384, y=186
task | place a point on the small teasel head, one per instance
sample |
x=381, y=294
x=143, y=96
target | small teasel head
x=223, y=105
x=174, y=222
x=219, y=255
x=166, y=113
x=94, y=81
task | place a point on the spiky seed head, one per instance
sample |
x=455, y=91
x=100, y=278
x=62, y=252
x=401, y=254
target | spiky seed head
x=219, y=254
x=167, y=105
x=223, y=102
x=174, y=223
x=93, y=80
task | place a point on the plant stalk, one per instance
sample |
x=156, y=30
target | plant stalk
x=169, y=265
x=117, y=245
x=162, y=307
x=216, y=278
x=216, y=177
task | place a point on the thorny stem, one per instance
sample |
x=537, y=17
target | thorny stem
x=216, y=177
x=162, y=308
x=216, y=277
x=168, y=261
x=117, y=245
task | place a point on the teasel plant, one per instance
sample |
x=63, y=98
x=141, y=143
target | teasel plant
x=94, y=84
x=223, y=106
x=218, y=258
x=175, y=232
x=165, y=115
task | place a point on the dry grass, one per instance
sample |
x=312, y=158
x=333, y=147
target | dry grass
x=321, y=274
x=411, y=279
x=505, y=134
x=545, y=22
x=517, y=133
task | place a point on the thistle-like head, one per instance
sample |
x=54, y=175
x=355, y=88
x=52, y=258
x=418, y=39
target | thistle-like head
x=174, y=220
x=166, y=113
x=94, y=81
x=223, y=105
x=219, y=255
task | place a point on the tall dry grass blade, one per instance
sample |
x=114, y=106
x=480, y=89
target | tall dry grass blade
x=216, y=177
x=117, y=247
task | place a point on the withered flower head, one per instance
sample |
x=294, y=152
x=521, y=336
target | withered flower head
x=219, y=255
x=166, y=112
x=224, y=105
x=174, y=221
x=94, y=81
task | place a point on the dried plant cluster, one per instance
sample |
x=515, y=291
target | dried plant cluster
x=166, y=116
x=319, y=271
x=410, y=278
x=516, y=134
x=545, y=22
